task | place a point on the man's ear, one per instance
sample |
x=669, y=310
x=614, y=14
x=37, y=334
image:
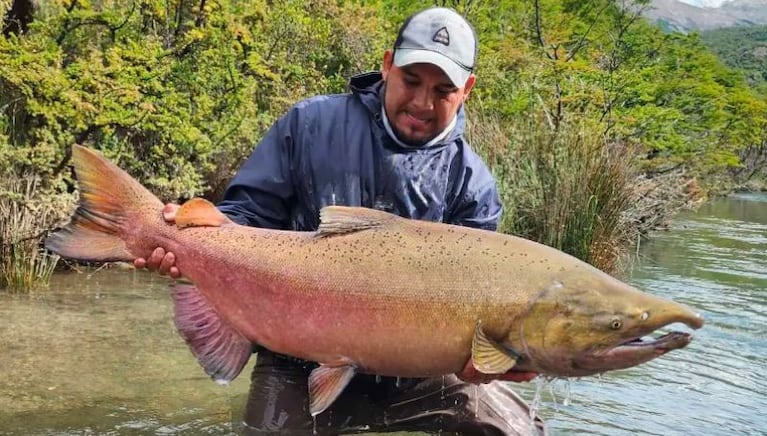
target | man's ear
x=468, y=86
x=388, y=59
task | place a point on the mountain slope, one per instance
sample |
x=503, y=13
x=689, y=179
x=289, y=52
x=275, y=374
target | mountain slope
x=673, y=15
x=743, y=48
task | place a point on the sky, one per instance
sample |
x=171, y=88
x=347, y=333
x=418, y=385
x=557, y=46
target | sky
x=705, y=3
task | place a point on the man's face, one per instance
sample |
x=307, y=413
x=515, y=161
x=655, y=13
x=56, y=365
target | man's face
x=420, y=99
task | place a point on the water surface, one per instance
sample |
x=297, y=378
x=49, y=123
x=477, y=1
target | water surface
x=714, y=260
x=98, y=353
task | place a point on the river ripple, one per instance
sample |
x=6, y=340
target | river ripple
x=714, y=260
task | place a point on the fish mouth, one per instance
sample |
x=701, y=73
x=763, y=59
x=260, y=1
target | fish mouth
x=631, y=353
x=663, y=344
x=643, y=347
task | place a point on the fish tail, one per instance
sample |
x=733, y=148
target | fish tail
x=107, y=193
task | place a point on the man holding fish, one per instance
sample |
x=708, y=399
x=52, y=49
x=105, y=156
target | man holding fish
x=394, y=143
x=418, y=295
x=427, y=295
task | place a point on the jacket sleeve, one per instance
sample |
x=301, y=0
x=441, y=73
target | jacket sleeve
x=477, y=202
x=262, y=192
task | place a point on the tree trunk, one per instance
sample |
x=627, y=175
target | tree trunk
x=17, y=19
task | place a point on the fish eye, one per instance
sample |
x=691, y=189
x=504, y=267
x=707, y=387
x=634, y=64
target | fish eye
x=615, y=324
x=644, y=316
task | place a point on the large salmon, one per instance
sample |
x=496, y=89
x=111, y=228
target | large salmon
x=370, y=292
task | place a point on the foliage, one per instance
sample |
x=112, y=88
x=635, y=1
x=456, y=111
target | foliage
x=742, y=48
x=174, y=92
x=179, y=92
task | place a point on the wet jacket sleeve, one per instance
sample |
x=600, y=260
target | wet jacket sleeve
x=477, y=202
x=261, y=193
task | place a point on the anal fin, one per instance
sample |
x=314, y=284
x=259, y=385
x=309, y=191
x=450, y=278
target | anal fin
x=490, y=357
x=325, y=385
x=220, y=349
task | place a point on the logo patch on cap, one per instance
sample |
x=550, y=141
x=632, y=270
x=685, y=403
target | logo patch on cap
x=441, y=36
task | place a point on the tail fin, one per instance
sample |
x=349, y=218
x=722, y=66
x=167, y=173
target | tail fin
x=107, y=193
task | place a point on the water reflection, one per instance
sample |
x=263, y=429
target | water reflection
x=100, y=354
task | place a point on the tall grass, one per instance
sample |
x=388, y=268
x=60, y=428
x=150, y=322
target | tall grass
x=26, y=213
x=566, y=187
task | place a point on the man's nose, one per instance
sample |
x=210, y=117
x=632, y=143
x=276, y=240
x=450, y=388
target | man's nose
x=423, y=98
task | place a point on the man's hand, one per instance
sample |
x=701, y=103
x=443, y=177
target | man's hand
x=159, y=260
x=471, y=375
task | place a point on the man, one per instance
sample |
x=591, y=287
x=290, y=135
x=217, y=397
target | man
x=394, y=143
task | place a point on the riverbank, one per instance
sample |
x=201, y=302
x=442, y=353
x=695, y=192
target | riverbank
x=570, y=130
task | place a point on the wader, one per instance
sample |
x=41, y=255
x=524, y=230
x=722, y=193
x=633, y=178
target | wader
x=278, y=404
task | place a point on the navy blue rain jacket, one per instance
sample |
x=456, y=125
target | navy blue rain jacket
x=334, y=150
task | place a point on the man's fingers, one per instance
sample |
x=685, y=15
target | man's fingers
x=174, y=272
x=160, y=261
x=518, y=376
x=469, y=374
x=169, y=212
x=167, y=262
x=155, y=259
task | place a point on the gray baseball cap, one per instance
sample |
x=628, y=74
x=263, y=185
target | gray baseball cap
x=438, y=36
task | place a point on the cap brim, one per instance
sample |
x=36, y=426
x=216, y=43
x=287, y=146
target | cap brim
x=409, y=56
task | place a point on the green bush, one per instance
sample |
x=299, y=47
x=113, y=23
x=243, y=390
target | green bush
x=574, y=100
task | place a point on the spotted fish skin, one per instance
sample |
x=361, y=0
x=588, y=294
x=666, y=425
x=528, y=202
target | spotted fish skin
x=368, y=292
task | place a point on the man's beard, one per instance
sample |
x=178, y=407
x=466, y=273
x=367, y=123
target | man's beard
x=397, y=133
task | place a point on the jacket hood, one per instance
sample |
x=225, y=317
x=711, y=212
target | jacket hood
x=369, y=89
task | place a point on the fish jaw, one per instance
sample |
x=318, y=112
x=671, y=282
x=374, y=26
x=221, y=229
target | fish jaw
x=585, y=323
x=632, y=353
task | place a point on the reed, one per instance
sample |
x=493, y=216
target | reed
x=567, y=187
x=27, y=212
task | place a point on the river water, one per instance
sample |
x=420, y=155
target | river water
x=97, y=353
x=714, y=260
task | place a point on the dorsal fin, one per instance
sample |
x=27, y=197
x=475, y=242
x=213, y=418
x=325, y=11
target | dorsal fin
x=336, y=220
x=199, y=212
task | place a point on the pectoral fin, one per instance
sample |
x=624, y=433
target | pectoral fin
x=325, y=385
x=490, y=357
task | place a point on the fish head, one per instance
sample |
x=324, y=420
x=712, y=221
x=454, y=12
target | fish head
x=588, y=322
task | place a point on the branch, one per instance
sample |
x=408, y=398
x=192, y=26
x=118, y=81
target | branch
x=179, y=17
x=79, y=139
x=539, y=28
x=201, y=16
x=95, y=21
x=65, y=26
x=581, y=41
